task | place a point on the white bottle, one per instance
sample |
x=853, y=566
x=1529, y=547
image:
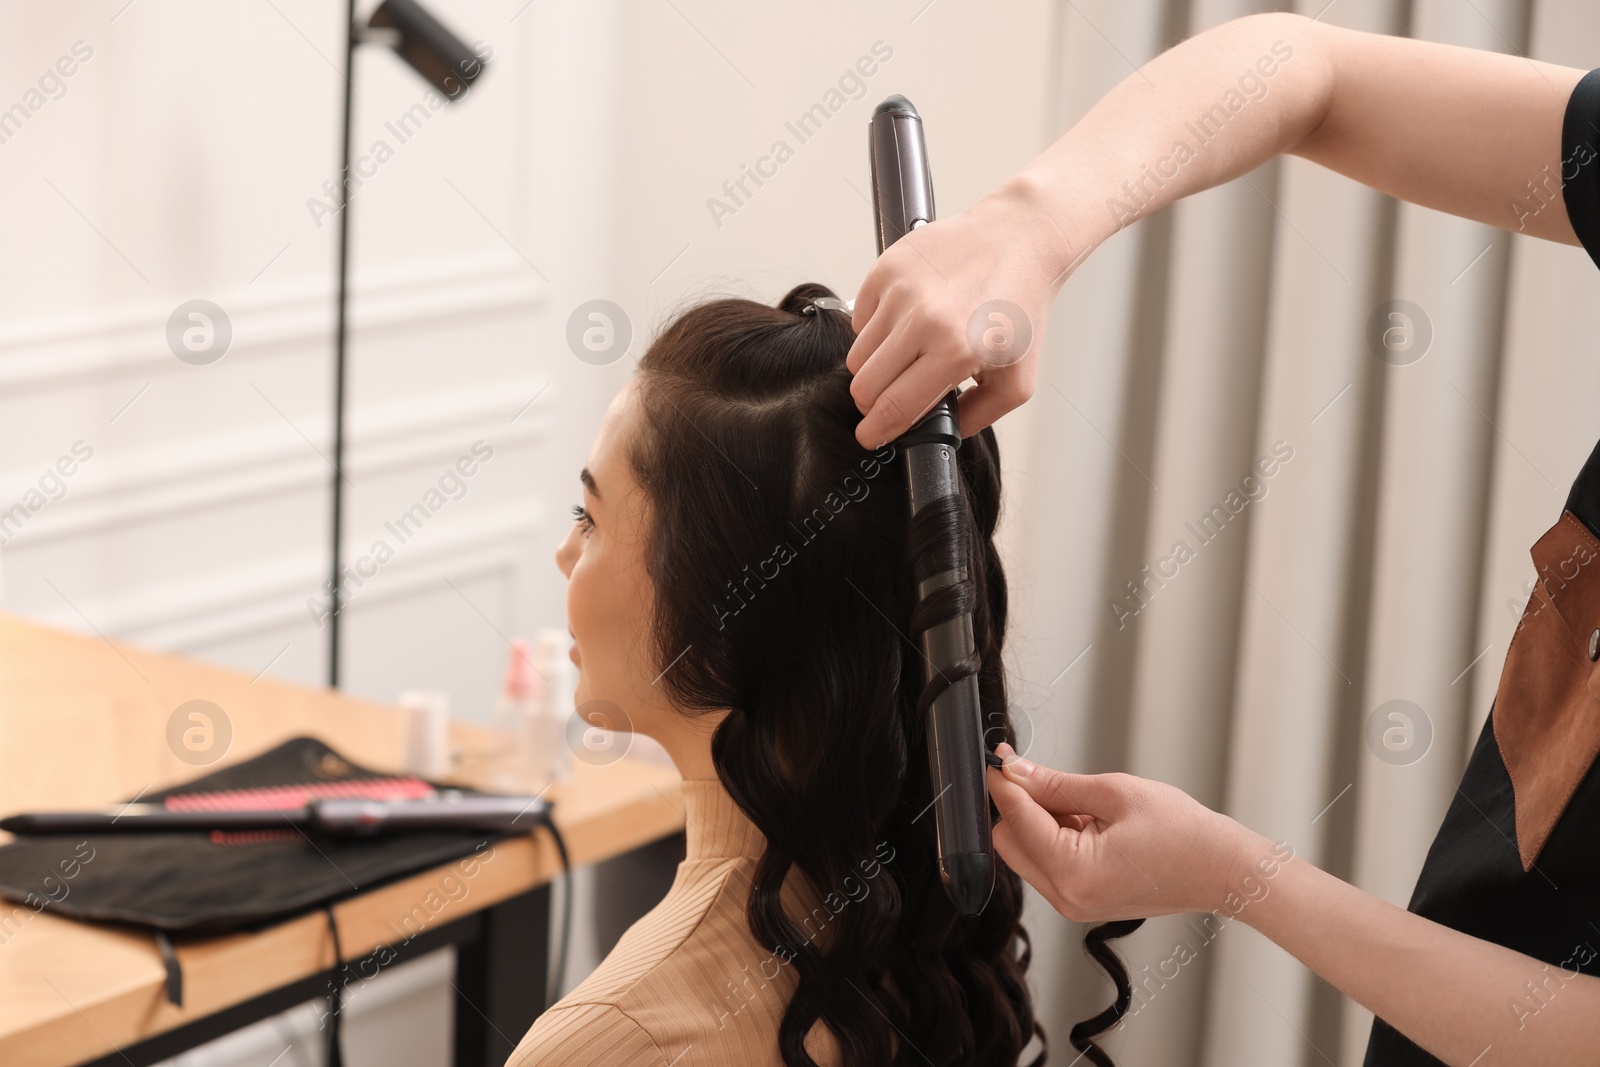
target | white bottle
x=551, y=657
x=427, y=741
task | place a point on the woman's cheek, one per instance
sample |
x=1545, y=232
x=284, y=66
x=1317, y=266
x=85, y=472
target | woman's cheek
x=590, y=615
x=578, y=601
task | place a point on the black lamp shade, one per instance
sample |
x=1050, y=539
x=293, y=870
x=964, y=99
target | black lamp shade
x=441, y=57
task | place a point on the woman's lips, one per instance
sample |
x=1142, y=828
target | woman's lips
x=572, y=652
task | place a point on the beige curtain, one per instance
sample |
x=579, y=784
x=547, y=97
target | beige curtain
x=1320, y=660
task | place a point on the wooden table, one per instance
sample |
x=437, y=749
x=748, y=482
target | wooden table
x=83, y=723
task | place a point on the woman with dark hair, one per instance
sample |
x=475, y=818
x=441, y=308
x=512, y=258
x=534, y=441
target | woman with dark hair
x=740, y=588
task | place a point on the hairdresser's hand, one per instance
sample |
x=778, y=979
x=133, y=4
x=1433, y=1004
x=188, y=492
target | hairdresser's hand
x=965, y=296
x=1113, y=846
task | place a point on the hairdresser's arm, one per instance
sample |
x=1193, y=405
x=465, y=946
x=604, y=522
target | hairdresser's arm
x=1112, y=846
x=1456, y=129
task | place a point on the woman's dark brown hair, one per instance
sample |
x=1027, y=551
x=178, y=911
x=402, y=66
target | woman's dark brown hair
x=781, y=555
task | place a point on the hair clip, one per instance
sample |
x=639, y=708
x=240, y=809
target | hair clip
x=830, y=303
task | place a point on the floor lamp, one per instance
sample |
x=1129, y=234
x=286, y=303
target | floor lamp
x=450, y=66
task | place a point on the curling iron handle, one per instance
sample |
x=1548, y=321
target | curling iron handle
x=901, y=180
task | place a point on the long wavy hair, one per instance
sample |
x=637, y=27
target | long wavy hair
x=783, y=563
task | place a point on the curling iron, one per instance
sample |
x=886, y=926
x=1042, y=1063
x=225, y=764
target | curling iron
x=335, y=816
x=902, y=201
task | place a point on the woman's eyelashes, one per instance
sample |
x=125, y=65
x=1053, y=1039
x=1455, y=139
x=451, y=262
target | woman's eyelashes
x=581, y=515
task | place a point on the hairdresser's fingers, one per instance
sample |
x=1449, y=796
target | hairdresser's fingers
x=1017, y=858
x=1034, y=830
x=997, y=392
x=879, y=352
x=1094, y=795
x=908, y=398
x=864, y=310
x=1074, y=821
x=897, y=282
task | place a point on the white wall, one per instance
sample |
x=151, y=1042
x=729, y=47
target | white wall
x=178, y=164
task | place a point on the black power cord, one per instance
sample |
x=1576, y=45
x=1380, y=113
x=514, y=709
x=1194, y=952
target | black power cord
x=547, y=820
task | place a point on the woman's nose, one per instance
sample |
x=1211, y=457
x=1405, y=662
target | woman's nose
x=567, y=552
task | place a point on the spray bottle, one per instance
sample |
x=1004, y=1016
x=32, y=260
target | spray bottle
x=514, y=766
x=556, y=705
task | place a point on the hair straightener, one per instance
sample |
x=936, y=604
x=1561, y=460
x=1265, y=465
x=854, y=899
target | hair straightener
x=902, y=201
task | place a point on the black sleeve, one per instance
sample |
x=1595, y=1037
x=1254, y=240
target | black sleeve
x=1580, y=167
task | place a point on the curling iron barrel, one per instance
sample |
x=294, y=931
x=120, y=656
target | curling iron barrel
x=902, y=201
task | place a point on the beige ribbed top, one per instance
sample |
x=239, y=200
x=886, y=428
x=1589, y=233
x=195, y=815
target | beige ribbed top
x=687, y=985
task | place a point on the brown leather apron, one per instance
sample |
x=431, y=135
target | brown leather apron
x=1517, y=860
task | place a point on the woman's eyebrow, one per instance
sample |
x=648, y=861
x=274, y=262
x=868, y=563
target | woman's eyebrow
x=588, y=482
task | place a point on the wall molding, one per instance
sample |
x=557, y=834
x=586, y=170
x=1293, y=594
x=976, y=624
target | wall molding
x=270, y=595
x=160, y=481
x=170, y=478
x=61, y=352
